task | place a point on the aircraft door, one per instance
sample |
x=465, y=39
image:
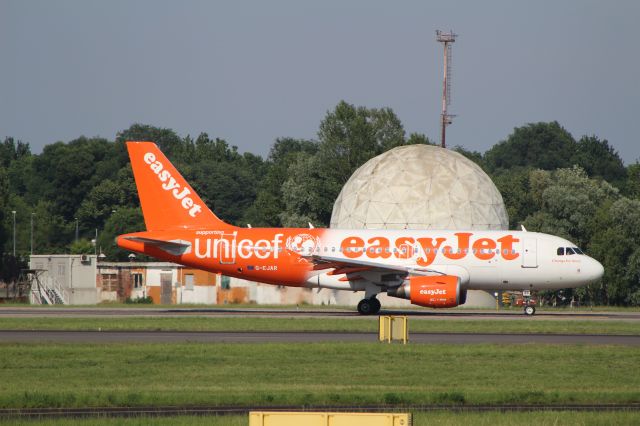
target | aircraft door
x=166, y=288
x=227, y=248
x=529, y=253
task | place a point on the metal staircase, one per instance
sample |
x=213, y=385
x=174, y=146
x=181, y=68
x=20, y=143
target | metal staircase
x=45, y=289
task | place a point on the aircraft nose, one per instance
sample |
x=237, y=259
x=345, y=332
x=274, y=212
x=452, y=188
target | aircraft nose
x=596, y=270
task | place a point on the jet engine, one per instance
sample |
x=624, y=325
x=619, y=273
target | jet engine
x=439, y=291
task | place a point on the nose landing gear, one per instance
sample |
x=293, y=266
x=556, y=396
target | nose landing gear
x=370, y=306
x=529, y=308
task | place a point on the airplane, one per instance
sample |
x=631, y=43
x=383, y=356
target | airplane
x=431, y=268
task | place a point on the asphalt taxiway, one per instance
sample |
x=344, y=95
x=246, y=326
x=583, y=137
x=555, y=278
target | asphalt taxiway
x=477, y=314
x=306, y=337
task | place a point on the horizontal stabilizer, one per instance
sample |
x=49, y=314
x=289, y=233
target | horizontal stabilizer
x=174, y=247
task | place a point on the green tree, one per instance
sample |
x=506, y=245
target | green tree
x=99, y=204
x=546, y=146
x=4, y=196
x=616, y=243
x=225, y=179
x=632, y=186
x=269, y=203
x=166, y=139
x=348, y=137
x=123, y=221
x=305, y=195
x=569, y=199
x=474, y=156
x=599, y=159
x=65, y=173
x=514, y=185
x=12, y=150
x=82, y=246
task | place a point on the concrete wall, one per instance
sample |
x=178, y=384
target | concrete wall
x=198, y=295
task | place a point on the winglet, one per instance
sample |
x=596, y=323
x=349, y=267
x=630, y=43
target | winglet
x=167, y=200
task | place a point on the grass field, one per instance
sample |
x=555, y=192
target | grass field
x=350, y=324
x=68, y=375
x=551, y=418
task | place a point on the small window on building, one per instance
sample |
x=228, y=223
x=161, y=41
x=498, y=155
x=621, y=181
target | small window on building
x=188, y=281
x=225, y=282
x=560, y=251
x=137, y=279
x=109, y=282
x=61, y=269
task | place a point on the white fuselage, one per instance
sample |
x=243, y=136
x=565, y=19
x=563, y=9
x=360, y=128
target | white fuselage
x=508, y=260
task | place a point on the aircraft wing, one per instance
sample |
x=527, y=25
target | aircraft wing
x=363, y=269
x=174, y=247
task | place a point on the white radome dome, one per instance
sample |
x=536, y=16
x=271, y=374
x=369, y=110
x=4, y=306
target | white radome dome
x=419, y=187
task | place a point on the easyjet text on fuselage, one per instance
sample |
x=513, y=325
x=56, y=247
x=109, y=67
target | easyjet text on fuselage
x=427, y=248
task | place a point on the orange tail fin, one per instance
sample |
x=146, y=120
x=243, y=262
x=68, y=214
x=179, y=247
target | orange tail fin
x=167, y=200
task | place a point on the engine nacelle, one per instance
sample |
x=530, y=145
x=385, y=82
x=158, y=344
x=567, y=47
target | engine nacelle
x=438, y=291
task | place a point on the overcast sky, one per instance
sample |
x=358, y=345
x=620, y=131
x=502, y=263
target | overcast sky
x=250, y=72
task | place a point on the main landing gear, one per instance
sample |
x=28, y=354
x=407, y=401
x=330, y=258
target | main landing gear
x=370, y=306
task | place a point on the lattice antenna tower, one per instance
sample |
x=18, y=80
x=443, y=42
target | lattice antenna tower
x=445, y=118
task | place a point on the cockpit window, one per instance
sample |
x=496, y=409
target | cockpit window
x=569, y=251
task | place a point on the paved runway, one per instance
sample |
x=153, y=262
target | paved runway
x=89, y=312
x=303, y=337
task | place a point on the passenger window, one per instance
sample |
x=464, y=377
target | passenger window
x=560, y=251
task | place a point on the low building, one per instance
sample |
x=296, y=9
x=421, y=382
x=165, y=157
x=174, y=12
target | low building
x=83, y=280
x=68, y=279
x=164, y=282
